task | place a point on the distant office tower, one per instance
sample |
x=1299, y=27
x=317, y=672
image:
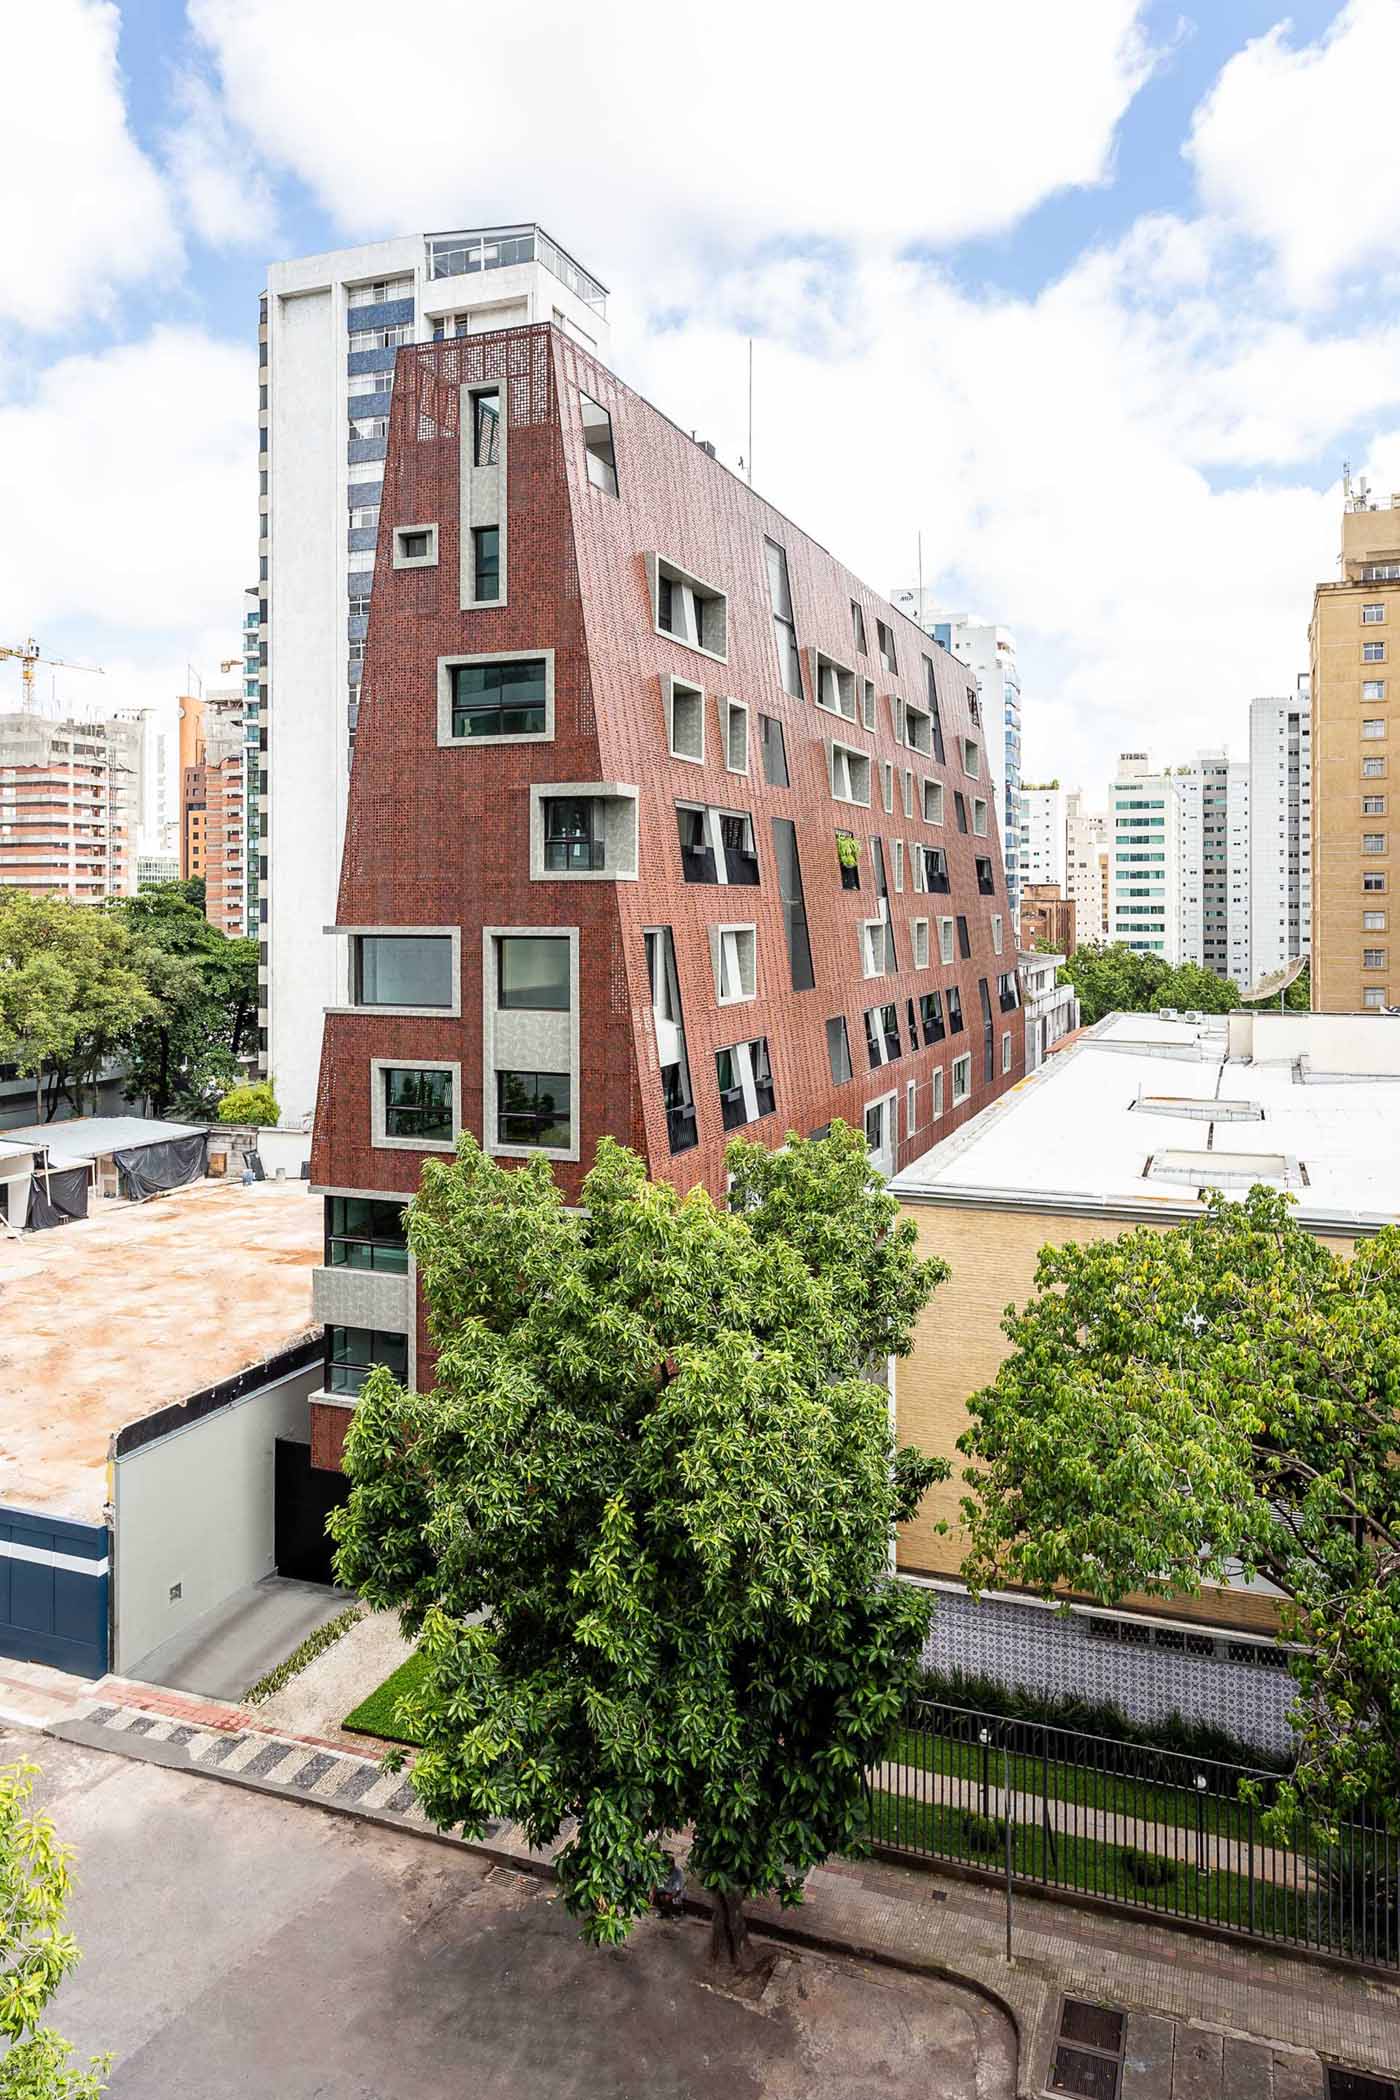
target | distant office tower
x=1144, y=896
x=213, y=804
x=1239, y=798
x=1042, y=845
x=329, y=329
x=989, y=651
x=1086, y=870
x=1280, y=830
x=1202, y=798
x=1353, y=624
x=69, y=806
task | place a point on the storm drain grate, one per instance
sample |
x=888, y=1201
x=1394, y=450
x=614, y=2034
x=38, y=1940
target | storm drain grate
x=1089, y=2054
x=1359, y=2085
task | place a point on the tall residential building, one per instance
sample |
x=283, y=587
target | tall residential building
x=1354, y=621
x=608, y=686
x=1042, y=843
x=1202, y=805
x=1144, y=901
x=990, y=652
x=328, y=331
x=1086, y=870
x=1280, y=830
x=213, y=804
x=254, y=760
x=1239, y=798
x=69, y=806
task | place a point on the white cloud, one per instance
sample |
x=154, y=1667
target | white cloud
x=86, y=211
x=1057, y=456
x=222, y=188
x=1296, y=146
x=639, y=134
x=138, y=516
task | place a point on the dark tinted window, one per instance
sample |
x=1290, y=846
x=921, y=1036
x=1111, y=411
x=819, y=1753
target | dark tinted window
x=794, y=904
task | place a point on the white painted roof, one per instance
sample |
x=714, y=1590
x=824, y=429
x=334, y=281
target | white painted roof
x=1069, y=1136
x=89, y=1137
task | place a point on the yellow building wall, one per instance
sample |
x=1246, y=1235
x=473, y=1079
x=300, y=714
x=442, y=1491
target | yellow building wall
x=958, y=1347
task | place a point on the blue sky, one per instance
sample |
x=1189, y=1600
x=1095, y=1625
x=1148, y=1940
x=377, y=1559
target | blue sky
x=1116, y=287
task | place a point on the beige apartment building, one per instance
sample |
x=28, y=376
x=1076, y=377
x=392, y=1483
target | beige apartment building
x=212, y=804
x=1354, y=624
x=69, y=806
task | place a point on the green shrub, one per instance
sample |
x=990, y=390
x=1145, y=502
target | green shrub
x=1150, y=1870
x=984, y=1834
x=253, y=1103
x=315, y=1644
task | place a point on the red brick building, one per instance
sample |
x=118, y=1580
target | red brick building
x=661, y=825
x=1047, y=918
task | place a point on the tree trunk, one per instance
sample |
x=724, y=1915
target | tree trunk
x=163, y=1083
x=730, y=1946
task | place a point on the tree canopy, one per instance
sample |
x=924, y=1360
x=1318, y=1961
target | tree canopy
x=1115, y=978
x=656, y=1456
x=1180, y=1405
x=36, y=1952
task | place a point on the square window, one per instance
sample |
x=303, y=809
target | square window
x=598, y=452
x=353, y=1352
x=962, y=1079
x=534, y=1109
x=532, y=973
x=689, y=611
x=417, y=1104
x=1372, y=615
x=1373, y=842
x=403, y=970
x=1373, y=769
x=1374, y=884
x=1373, y=689
x=1373, y=921
x=500, y=698
x=1373, y=805
x=838, y=1050
x=1373, y=958
x=1373, y=652
x=415, y=547
x=1373, y=997
x=685, y=724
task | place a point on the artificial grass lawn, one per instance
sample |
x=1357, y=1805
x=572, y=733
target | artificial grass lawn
x=376, y=1715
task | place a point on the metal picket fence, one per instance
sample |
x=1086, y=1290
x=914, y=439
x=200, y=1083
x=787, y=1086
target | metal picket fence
x=1159, y=1831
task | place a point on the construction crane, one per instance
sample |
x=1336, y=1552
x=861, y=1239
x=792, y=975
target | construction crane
x=26, y=655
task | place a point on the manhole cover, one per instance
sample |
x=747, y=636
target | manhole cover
x=1089, y=2055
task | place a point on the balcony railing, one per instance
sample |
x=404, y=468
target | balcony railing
x=574, y=856
x=501, y=247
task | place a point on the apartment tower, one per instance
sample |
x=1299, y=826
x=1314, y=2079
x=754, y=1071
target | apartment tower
x=70, y=806
x=329, y=327
x=662, y=826
x=1086, y=870
x=1280, y=830
x=1354, y=621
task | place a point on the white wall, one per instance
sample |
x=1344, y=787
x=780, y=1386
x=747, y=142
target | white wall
x=1355, y=1044
x=196, y=1508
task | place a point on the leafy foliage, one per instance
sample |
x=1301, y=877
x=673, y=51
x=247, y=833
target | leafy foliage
x=72, y=987
x=1227, y=1393
x=36, y=1953
x=205, y=988
x=254, y=1103
x=1114, y=978
x=655, y=1457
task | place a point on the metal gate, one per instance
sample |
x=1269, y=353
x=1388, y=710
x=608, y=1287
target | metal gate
x=305, y=1496
x=54, y=1584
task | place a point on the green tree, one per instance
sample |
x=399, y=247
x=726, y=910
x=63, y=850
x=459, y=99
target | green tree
x=204, y=989
x=254, y=1103
x=36, y=1952
x=1178, y=1404
x=1114, y=978
x=71, y=988
x=656, y=1459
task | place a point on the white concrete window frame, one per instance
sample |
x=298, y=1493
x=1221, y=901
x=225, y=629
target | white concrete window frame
x=938, y=1093
x=732, y=712
x=1006, y=1054
x=844, y=760
x=911, y=1108
x=875, y=947
x=324, y=1294
x=962, y=1079
x=945, y=940
x=835, y=694
x=659, y=565
x=415, y=561
x=427, y=1013
x=898, y=845
x=491, y=1064
x=918, y=729
x=671, y=686
x=744, y=938
x=933, y=801
x=979, y=817
x=379, y=1139
x=542, y=791
x=887, y=786
x=921, y=944
x=446, y=665
x=996, y=933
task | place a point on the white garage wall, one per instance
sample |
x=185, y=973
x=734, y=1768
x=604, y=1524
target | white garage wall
x=195, y=1508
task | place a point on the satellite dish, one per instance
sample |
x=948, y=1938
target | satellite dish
x=1276, y=981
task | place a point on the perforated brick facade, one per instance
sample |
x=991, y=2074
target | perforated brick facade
x=441, y=835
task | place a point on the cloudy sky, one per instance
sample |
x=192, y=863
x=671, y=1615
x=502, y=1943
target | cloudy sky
x=1095, y=298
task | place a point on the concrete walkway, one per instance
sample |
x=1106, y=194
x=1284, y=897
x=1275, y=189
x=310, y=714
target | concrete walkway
x=1208, y=2019
x=243, y=1638
x=1102, y=1826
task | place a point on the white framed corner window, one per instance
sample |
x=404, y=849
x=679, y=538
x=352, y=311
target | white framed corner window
x=850, y=775
x=687, y=609
x=734, y=719
x=734, y=954
x=685, y=719
x=415, y=546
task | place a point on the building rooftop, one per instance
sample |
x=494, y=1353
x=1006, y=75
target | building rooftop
x=112, y=1317
x=1142, y=1114
x=91, y=1137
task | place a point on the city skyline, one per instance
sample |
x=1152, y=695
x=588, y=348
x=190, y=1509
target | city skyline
x=1014, y=304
